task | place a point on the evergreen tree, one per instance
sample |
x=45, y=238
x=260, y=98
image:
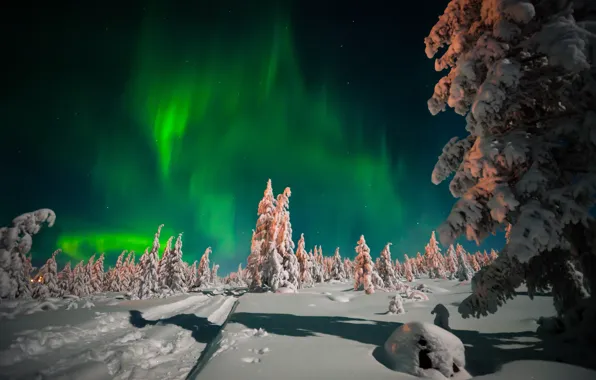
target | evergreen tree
x=464, y=271
x=363, y=267
x=304, y=263
x=65, y=279
x=451, y=262
x=338, y=271
x=385, y=268
x=192, y=275
x=264, y=230
x=204, y=271
x=408, y=268
x=349, y=268
x=523, y=74
x=164, y=268
x=78, y=286
x=175, y=279
x=97, y=278
x=46, y=282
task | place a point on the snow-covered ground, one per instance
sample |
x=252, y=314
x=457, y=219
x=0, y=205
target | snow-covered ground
x=327, y=332
x=116, y=339
x=332, y=332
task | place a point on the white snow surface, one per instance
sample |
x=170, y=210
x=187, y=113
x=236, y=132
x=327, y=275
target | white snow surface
x=132, y=339
x=311, y=334
x=343, y=340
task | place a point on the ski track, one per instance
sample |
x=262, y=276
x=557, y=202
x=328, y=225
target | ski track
x=109, y=347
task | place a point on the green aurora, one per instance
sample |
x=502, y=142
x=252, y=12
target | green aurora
x=215, y=116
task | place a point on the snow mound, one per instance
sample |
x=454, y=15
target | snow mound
x=338, y=298
x=285, y=290
x=251, y=360
x=425, y=350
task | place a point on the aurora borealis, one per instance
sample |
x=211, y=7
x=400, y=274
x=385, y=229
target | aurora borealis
x=126, y=118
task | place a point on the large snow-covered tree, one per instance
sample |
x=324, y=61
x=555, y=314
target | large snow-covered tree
x=175, y=276
x=363, y=267
x=15, y=244
x=148, y=283
x=523, y=74
x=264, y=230
x=284, y=243
x=65, y=279
x=45, y=283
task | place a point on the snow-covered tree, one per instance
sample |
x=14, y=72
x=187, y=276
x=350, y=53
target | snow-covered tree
x=46, y=281
x=164, y=270
x=464, y=270
x=175, y=279
x=191, y=278
x=432, y=258
x=148, y=283
x=338, y=271
x=408, y=263
x=316, y=266
x=97, y=275
x=254, y=262
x=15, y=244
x=284, y=243
x=385, y=268
x=304, y=263
x=523, y=74
x=264, y=230
x=396, y=305
x=399, y=271
x=78, y=286
x=214, y=277
x=113, y=280
x=363, y=267
x=204, y=270
x=493, y=255
x=349, y=268
x=65, y=279
x=451, y=262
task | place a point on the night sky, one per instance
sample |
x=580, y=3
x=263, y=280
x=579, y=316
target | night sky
x=122, y=117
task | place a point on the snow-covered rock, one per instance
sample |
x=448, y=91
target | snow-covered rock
x=426, y=350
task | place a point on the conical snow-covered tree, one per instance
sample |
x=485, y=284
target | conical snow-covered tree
x=204, y=270
x=285, y=245
x=432, y=256
x=363, y=267
x=264, y=230
x=46, y=280
x=114, y=277
x=451, y=262
x=273, y=269
x=175, y=279
x=385, y=268
x=164, y=270
x=349, y=268
x=15, y=244
x=191, y=279
x=65, y=279
x=523, y=74
x=214, y=277
x=97, y=275
x=338, y=271
x=148, y=283
x=464, y=270
x=78, y=286
x=399, y=271
x=305, y=264
x=316, y=266
x=408, y=269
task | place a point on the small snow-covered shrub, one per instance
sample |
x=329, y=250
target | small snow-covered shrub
x=396, y=305
x=426, y=350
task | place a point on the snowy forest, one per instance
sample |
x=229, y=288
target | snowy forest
x=522, y=74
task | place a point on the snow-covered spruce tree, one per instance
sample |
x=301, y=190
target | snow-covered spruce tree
x=46, y=281
x=175, y=279
x=306, y=280
x=523, y=73
x=272, y=268
x=432, y=258
x=451, y=262
x=399, y=271
x=164, y=270
x=285, y=245
x=214, y=278
x=15, y=243
x=349, y=268
x=338, y=271
x=396, y=305
x=129, y=273
x=264, y=229
x=316, y=266
x=65, y=279
x=204, y=270
x=493, y=255
x=78, y=286
x=386, y=270
x=464, y=270
x=191, y=278
x=363, y=267
x=420, y=266
x=473, y=262
x=253, y=265
x=97, y=277
x=408, y=263
x=114, y=277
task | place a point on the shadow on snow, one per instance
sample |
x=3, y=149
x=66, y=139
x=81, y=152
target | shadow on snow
x=485, y=352
x=203, y=331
